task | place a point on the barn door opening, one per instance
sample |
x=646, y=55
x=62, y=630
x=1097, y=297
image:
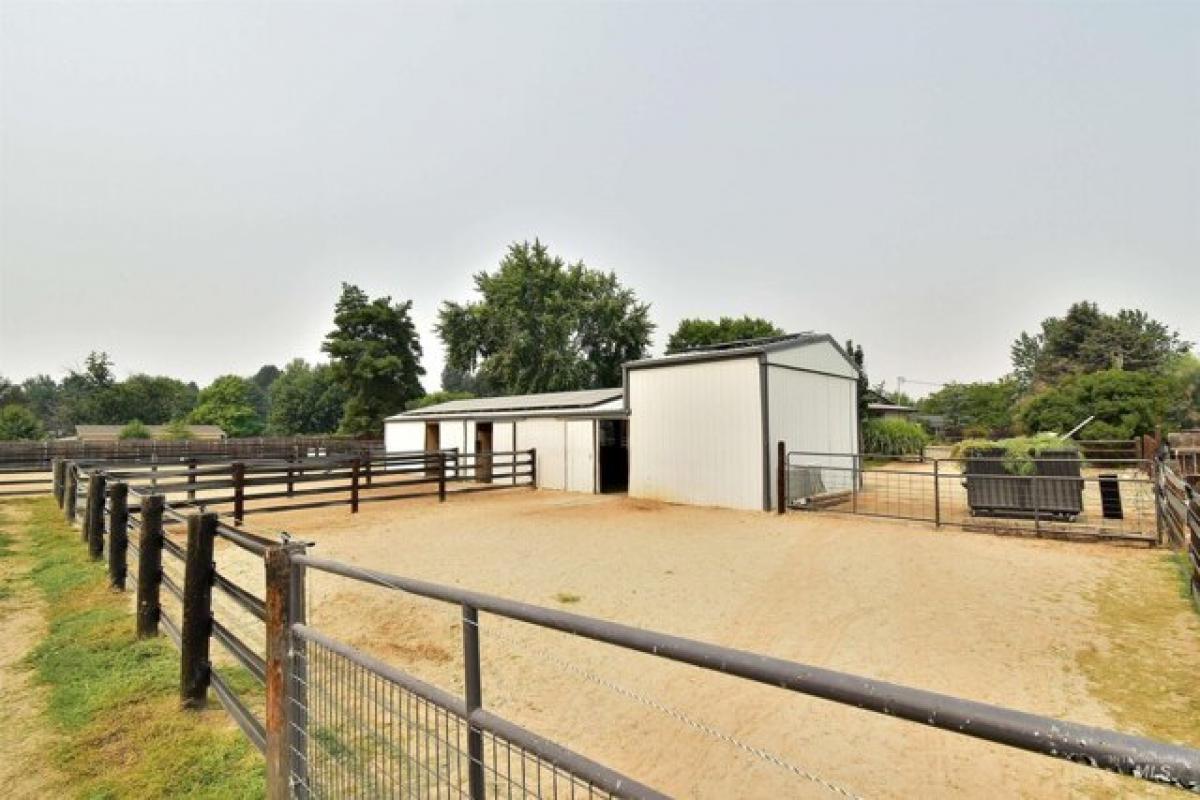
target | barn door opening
x=614, y=455
x=433, y=443
x=483, y=452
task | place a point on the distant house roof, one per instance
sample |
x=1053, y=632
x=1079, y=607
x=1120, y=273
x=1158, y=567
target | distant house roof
x=744, y=347
x=891, y=408
x=111, y=433
x=546, y=403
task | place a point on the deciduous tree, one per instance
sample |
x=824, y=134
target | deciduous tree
x=305, y=399
x=228, y=402
x=542, y=325
x=704, y=332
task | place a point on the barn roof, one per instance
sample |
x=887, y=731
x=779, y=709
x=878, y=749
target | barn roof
x=113, y=432
x=738, y=349
x=544, y=402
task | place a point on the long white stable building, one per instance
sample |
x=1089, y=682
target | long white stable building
x=699, y=427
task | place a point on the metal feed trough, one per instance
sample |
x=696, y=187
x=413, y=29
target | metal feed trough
x=1054, y=490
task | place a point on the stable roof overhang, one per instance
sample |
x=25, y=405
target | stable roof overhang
x=586, y=403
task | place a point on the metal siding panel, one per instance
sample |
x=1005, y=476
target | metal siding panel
x=401, y=437
x=547, y=436
x=695, y=433
x=450, y=436
x=580, y=456
x=502, y=438
x=814, y=413
x=819, y=356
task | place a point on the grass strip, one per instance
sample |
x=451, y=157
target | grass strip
x=115, y=698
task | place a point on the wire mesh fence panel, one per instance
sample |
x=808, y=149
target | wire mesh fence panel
x=1064, y=497
x=365, y=735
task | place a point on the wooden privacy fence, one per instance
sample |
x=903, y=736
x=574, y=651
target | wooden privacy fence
x=25, y=466
x=332, y=721
x=37, y=456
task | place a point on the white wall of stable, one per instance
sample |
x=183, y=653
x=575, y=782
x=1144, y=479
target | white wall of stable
x=695, y=433
x=701, y=431
x=566, y=447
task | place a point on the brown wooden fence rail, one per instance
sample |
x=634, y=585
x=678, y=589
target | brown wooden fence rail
x=237, y=488
x=39, y=455
x=332, y=721
x=1179, y=516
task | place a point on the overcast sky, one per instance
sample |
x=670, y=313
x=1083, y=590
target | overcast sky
x=186, y=185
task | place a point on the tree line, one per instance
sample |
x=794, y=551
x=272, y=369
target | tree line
x=539, y=324
x=1132, y=372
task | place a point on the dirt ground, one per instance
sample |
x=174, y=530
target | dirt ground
x=995, y=619
x=25, y=763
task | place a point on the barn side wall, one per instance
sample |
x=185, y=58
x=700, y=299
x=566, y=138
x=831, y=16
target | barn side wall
x=401, y=437
x=549, y=437
x=812, y=412
x=817, y=356
x=581, y=455
x=696, y=433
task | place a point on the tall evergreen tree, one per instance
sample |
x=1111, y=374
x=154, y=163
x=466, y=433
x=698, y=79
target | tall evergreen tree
x=376, y=358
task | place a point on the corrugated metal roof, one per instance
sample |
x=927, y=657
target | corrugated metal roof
x=584, y=398
x=746, y=347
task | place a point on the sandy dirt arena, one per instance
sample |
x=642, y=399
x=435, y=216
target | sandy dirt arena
x=995, y=619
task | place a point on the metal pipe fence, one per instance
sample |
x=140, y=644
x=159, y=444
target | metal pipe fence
x=1057, y=496
x=335, y=722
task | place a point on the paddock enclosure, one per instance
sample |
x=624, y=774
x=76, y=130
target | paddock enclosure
x=1062, y=496
x=551, y=644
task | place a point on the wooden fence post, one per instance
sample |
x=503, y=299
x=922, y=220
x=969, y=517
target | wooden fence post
x=150, y=543
x=70, y=492
x=239, y=492
x=367, y=466
x=533, y=467
x=280, y=596
x=58, y=481
x=118, y=534
x=354, y=486
x=781, y=477
x=196, y=625
x=95, y=515
x=441, y=476
x=937, y=494
x=191, y=465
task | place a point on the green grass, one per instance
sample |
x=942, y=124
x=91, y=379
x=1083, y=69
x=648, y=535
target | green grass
x=114, y=697
x=567, y=597
x=1144, y=665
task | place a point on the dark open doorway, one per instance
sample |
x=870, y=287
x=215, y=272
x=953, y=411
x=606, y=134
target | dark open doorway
x=613, y=435
x=483, y=452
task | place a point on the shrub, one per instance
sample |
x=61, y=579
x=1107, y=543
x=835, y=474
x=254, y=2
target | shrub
x=893, y=437
x=177, y=431
x=18, y=422
x=134, y=430
x=1019, y=451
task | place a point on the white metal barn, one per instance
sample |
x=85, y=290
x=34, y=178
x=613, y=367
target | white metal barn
x=580, y=437
x=704, y=424
x=699, y=427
